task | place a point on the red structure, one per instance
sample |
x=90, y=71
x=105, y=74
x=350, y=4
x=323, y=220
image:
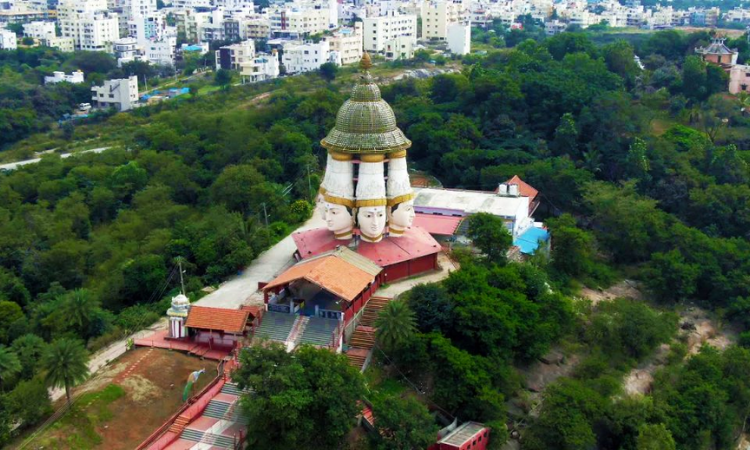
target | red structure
x=469, y=436
x=412, y=254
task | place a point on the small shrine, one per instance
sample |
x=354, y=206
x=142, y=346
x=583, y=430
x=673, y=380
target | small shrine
x=177, y=314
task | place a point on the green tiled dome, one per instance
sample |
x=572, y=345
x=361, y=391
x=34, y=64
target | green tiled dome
x=365, y=123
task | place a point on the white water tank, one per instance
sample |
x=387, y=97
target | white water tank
x=502, y=189
x=513, y=190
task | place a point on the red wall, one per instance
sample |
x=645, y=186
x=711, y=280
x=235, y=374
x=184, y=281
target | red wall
x=410, y=268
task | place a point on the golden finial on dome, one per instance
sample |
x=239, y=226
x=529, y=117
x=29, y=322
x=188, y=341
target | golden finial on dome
x=365, y=63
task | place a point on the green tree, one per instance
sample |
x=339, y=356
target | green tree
x=222, y=77
x=655, y=437
x=491, y=236
x=395, y=325
x=29, y=348
x=10, y=313
x=29, y=401
x=402, y=424
x=573, y=251
x=433, y=308
x=566, y=137
x=305, y=399
x=328, y=71
x=65, y=363
x=671, y=277
x=9, y=366
x=79, y=306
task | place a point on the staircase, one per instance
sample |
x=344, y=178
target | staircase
x=179, y=424
x=318, y=331
x=374, y=305
x=232, y=389
x=276, y=326
x=298, y=330
x=363, y=337
x=213, y=440
x=356, y=360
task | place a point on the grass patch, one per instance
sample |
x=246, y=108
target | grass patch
x=380, y=384
x=77, y=428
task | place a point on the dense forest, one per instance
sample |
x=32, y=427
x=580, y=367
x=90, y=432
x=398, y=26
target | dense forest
x=642, y=172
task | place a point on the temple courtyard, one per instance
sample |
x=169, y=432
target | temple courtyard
x=126, y=401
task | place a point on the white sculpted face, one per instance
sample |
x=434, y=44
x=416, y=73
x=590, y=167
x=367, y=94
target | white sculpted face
x=371, y=221
x=320, y=206
x=338, y=218
x=403, y=216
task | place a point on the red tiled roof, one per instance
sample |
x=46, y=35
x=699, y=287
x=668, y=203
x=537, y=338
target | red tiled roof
x=219, y=319
x=331, y=272
x=254, y=310
x=416, y=242
x=436, y=224
x=524, y=188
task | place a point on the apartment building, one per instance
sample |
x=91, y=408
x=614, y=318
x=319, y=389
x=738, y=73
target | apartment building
x=231, y=57
x=134, y=8
x=305, y=56
x=293, y=23
x=119, y=93
x=8, y=40
x=401, y=47
x=64, y=44
x=39, y=30
x=347, y=43
x=88, y=22
x=189, y=23
x=262, y=67
x=459, y=39
x=437, y=16
x=255, y=27
x=379, y=30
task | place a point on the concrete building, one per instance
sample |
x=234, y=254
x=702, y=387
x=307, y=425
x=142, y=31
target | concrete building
x=8, y=40
x=379, y=30
x=347, y=42
x=739, y=78
x=255, y=27
x=120, y=93
x=161, y=52
x=233, y=56
x=437, y=17
x=22, y=15
x=125, y=50
x=459, y=39
x=59, y=77
x=293, y=23
x=302, y=57
x=262, y=67
x=39, y=30
x=64, y=44
x=401, y=47
x=91, y=26
x=189, y=23
x=134, y=8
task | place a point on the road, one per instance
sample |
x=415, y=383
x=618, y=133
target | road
x=17, y=164
x=270, y=263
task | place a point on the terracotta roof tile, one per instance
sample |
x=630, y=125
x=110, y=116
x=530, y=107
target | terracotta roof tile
x=340, y=272
x=219, y=319
x=525, y=189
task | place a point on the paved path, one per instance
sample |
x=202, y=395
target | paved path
x=17, y=164
x=110, y=353
x=270, y=263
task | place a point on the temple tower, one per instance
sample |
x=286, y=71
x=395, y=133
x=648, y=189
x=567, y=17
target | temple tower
x=366, y=136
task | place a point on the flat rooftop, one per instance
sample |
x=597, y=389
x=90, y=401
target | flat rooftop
x=471, y=202
x=460, y=435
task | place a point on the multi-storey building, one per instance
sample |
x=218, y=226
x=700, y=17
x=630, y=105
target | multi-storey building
x=89, y=24
x=231, y=57
x=64, y=44
x=262, y=67
x=189, y=23
x=379, y=30
x=120, y=93
x=161, y=52
x=347, y=42
x=437, y=16
x=305, y=56
x=8, y=40
x=134, y=8
x=295, y=23
x=255, y=27
x=459, y=39
x=401, y=47
x=39, y=30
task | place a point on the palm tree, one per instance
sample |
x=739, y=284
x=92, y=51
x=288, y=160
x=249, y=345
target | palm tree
x=79, y=307
x=395, y=324
x=9, y=365
x=66, y=363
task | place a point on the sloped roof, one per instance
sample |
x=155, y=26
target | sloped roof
x=717, y=47
x=523, y=187
x=436, y=224
x=463, y=434
x=219, y=319
x=340, y=271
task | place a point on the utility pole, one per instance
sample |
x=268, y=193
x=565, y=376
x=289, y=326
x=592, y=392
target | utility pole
x=182, y=281
x=265, y=213
x=309, y=183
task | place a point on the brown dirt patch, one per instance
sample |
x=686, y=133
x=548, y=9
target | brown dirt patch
x=153, y=393
x=623, y=289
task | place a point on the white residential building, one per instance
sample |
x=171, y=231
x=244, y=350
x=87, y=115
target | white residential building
x=233, y=56
x=437, y=16
x=120, y=93
x=255, y=27
x=189, y=22
x=8, y=40
x=262, y=67
x=347, y=42
x=126, y=50
x=59, y=77
x=459, y=39
x=402, y=47
x=296, y=23
x=39, y=30
x=379, y=30
x=305, y=57
x=161, y=52
x=64, y=44
x=134, y=8
x=89, y=24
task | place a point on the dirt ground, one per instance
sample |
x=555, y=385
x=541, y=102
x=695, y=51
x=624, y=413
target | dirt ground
x=152, y=381
x=623, y=289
